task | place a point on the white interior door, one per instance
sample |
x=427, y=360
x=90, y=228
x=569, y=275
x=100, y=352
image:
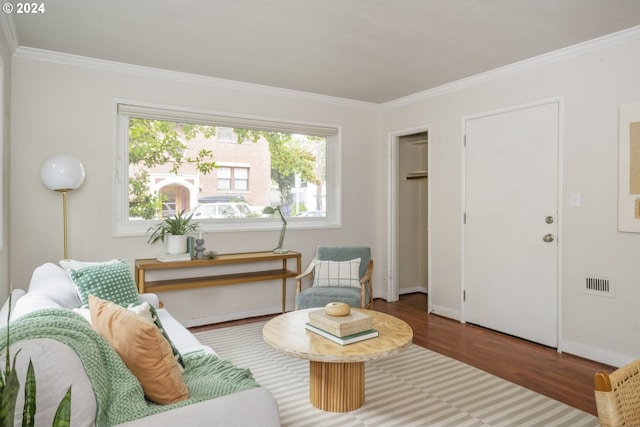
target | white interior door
x=511, y=206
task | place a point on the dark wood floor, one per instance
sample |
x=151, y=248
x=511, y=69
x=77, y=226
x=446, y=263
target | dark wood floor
x=563, y=377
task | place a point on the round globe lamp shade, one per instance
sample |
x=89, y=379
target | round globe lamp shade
x=62, y=172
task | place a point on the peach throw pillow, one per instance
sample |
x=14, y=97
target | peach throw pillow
x=142, y=348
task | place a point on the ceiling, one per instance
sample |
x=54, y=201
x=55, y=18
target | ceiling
x=366, y=50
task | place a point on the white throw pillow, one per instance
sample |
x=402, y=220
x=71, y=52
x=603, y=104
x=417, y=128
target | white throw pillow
x=16, y=294
x=32, y=302
x=52, y=281
x=84, y=312
x=72, y=264
x=143, y=310
x=57, y=366
x=337, y=273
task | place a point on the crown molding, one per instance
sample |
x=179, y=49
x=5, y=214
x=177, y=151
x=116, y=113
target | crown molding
x=610, y=40
x=181, y=77
x=9, y=30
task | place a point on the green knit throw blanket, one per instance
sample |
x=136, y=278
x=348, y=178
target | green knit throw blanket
x=118, y=393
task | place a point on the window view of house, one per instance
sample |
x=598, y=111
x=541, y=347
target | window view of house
x=222, y=172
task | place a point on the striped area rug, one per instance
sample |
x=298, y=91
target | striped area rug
x=417, y=387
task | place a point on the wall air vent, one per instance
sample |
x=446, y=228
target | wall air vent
x=599, y=285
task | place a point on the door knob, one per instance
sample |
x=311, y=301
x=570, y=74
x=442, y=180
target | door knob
x=548, y=238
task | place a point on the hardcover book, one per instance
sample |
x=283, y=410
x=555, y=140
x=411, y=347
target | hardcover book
x=340, y=326
x=348, y=339
x=174, y=257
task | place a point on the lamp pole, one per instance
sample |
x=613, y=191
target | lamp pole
x=270, y=211
x=279, y=249
x=62, y=173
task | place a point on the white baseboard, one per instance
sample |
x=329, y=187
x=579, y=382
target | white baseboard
x=445, y=312
x=225, y=317
x=596, y=354
x=413, y=290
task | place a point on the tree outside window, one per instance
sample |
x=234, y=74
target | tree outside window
x=177, y=165
x=172, y=160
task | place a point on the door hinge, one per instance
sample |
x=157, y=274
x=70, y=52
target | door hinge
x=464, y=218
x=464, y=295
x=464, y=141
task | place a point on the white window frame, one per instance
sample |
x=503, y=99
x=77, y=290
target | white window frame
x=232, y=166
x=221, y=177
x=124, y=109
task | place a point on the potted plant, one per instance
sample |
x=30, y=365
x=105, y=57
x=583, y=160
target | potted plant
x=172, y=230
x=10, y=385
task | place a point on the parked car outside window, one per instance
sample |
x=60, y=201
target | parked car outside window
x=221, y=210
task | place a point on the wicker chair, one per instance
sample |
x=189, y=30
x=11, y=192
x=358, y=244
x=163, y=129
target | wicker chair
x=618, y=396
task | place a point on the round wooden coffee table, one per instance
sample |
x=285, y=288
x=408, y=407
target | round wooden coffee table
x=336, y=372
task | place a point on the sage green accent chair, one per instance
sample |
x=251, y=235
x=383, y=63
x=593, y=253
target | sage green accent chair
x=319, y=296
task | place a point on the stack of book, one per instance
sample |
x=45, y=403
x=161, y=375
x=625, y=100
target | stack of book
x=174, y=257
x=354, y=327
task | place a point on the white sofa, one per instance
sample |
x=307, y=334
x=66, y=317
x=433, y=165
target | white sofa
x=57, y=367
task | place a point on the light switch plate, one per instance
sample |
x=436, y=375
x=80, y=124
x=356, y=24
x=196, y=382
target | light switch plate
x=575, y=200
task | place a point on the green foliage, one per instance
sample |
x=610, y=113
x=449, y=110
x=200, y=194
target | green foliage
x=29, y=410
x=10, y=389
x=63, y=413
x=10, y=386
x=158, y=143
x=155, y=143
x=287, y=158
x=177, y=225
x=141, y=203
x=298, y=209
x=202, y=165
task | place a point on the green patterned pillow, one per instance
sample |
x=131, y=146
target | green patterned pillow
x=156, y=321
x=111, y=281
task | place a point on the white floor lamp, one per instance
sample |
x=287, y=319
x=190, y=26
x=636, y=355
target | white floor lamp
x=62, y=173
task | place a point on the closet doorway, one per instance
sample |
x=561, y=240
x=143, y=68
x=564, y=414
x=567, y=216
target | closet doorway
x=409, y=251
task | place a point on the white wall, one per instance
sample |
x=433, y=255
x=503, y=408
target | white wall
x=5, y=145
x=69, y=108
x=592, y=85
x=66, y=108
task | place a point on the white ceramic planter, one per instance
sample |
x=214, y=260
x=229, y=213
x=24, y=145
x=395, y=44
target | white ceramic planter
x=176, y=244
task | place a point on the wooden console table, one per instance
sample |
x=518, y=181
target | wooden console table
x=151, y=264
